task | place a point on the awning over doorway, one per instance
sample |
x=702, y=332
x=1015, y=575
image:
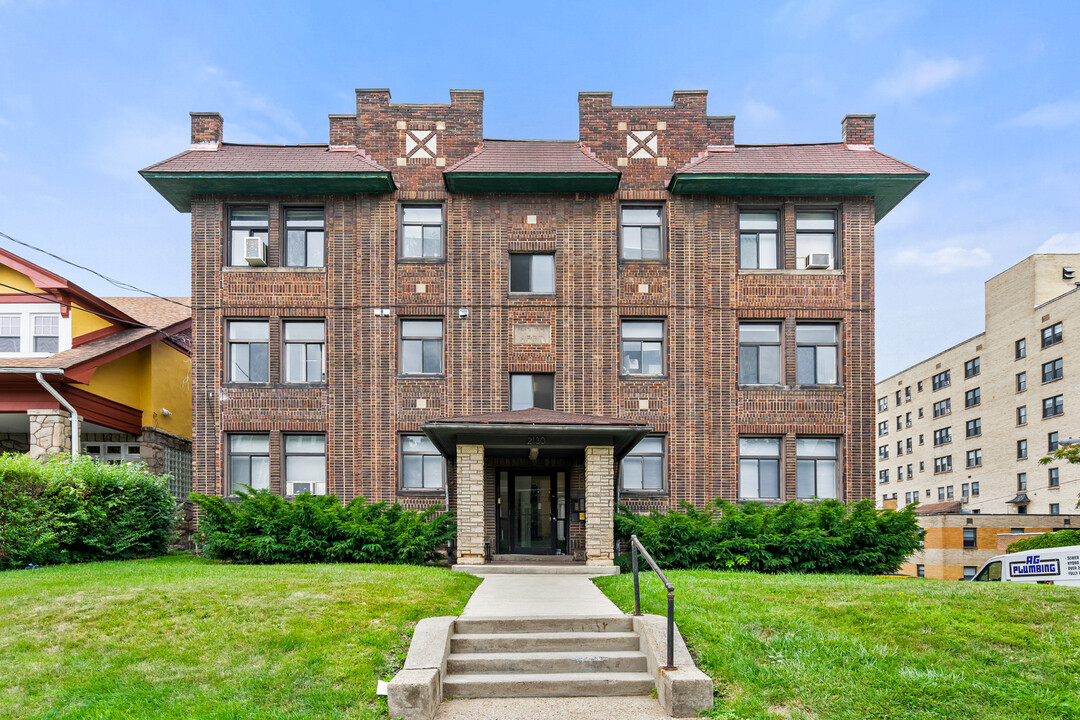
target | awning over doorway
x=546, y=430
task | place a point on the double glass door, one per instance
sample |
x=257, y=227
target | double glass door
x=532, y=512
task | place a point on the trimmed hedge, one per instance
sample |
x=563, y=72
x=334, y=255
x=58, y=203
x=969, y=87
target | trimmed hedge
x=825, y=536
x=1058, y=538
x=79, y=510
x=261, y=527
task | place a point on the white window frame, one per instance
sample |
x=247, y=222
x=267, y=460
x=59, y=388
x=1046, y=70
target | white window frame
x=26, y=312
x=636, y=456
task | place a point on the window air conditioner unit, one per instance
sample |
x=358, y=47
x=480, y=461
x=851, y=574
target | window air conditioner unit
x=255, y=251
x=301, y=487
x=965, y=499
x=818, y=261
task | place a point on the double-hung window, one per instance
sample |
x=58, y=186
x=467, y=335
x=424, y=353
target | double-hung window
x=1021, y=449
x=1021, y=382
x=973, y=428
x=245, y=222
x=882, y=404
x=532, y=391
x=972, y=397
x=943, y=464
x=970, y=541
x=942, y=436
x=10, y=333
x=816, y=357
x=305, y=464
x=971, y=368
x=642, y=232
x=1053, y=406
x=643, y=467
x=421, y=347
x=304, y=344
x=1021, y=348
x=422, y=466
x=1051, y=442
x=883, y=428
x=816, y=463
x=642, y=347
x=1021, y=415
x=759, y=467
x=759, y=353
x=943, y=407
x=974, y=457
x=1054, y=478
x=421, y=232
x=532, y=273
x=305, y=237
x=1021, y=482
x=46, y=333
x=249, y=351
x=815, y=240
x=249, y=462
x=1052, y=371
x=942, y=379
x=758, y=248
x=1051, y=335
x=883, y=452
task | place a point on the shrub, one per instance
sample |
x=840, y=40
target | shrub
x=1058, y=538
x=78, y=510
x=261, y=527
x=825, y=536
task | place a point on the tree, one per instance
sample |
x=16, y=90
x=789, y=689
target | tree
x=1068, y=453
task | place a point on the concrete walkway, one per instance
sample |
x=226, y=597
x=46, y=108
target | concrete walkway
x=586, y=708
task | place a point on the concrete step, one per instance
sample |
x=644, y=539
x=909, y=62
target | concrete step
x=581, y=661
x=543, y=642
x=537, y=559
x=556, y=568
x=618, y=623
x=547, y=684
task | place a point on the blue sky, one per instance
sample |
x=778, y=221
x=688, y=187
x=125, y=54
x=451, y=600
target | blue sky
x=984, y=95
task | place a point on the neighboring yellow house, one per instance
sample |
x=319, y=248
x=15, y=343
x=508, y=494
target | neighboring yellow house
x=113, y=371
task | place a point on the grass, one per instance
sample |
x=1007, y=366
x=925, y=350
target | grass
x=180, y=637
x=840, y=647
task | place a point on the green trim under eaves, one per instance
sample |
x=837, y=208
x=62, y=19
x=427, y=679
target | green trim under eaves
x=178, y=188
x=538, y=182
x=887, y=190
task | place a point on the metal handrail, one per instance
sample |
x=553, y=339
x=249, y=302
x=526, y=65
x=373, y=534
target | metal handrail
x=635, y=548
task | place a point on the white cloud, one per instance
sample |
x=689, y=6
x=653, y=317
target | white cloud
x=1061, y=243
x=918, y=75
x=945, y=260
x=1050, y=115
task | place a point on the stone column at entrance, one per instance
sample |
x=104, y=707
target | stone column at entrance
x=599, y=504
x=50, y=432
x=470, y=504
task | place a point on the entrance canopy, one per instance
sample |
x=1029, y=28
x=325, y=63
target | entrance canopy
x=551, y=433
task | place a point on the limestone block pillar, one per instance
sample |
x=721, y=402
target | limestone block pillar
x=599, y=504
x=50, y=432
x=470, y=504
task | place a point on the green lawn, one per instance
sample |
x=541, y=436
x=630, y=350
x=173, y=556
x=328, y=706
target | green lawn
x=839, y=648
x=180, y=637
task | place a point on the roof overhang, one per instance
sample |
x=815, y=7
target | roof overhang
x=886, y=189
x=447, y=435
x=178, y=188
x=532, y=182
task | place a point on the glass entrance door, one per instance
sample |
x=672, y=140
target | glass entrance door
x=533, y=514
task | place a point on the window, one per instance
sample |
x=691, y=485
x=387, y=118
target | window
x=1021, y=509
x=304, y=359
x=305, y=464
x=643, y=347
x=898, y=396
x=972, y=397
x=920, y=571
x=920, y=439
x=1053, y=406
x=919, y=385
x=1021, y=382
x=922, y=465
x=943, y=464
x=10, y=333
x=421, y=347
x=899, y=447
x=532, y=391
x=883, y=452
x=971, y=368
x=883, y=427
x=46, y=333
x=920, y=412
x=974, y=457
x=759, y=467
x=759, y=354
x=941, y=493
x=965, y=490
x=1021, y=415
x=245, y=222
x=249, y=462
x=910, y=474
x=249, y=350
x=1021, y=449
x=113, y=453
x=970, y=537
x=975, y=490
x=1051, y=442
x=421, y=231
x=942, y=436
x=1054, y=478
x=1051, y=335
x=969, y=571
x=815, y=234
x=304, y=237
x=816, y=467
x=899, y=472
x=943, y=407
x=25, y=330
x=908, y=443
x=973, y=428
x=643, y=467
x=899, y=423
x=642, y=233
x=1051, y=371
x=949, y=492
x=532, y=273
x=907, y=394
x=882, y=404
x=422, y=466
x=942, y=379
x=1055, y=509
x=1021, y=348
x=907, y=498
x=758, y=247
x=907, y=419
x=883, y=476
x=1021, y=482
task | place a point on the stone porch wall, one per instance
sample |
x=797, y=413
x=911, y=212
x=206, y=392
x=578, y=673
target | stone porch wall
x=599, y=505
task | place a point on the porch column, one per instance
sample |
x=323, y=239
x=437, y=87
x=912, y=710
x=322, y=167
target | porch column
x=50, y=432
x=470, y=504
x=599, y=504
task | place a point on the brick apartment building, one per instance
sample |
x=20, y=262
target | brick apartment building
x=534, y=331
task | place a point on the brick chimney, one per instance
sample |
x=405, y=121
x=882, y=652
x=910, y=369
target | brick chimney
x=721, y=130
x=206, y=130
x=858, y=131
x=342, y=132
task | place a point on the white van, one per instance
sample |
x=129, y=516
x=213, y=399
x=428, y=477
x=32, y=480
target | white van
x=1048, y=566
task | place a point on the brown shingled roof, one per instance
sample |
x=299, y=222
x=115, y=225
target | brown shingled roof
x=268, y=158
x=532, y=156
x=939, y=508
x=537, y=416
x=824, y=158
x=156, y=312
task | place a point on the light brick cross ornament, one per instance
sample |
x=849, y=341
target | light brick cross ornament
x=642, y=144
x=420, y=144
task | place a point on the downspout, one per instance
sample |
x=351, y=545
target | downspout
x=74, y=415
